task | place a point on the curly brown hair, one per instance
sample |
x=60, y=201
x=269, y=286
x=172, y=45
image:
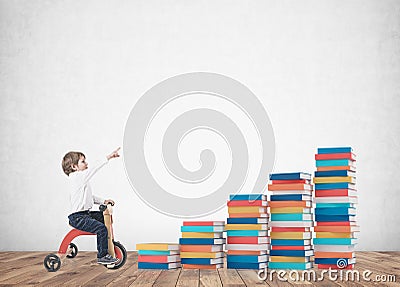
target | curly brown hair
x=70, y=159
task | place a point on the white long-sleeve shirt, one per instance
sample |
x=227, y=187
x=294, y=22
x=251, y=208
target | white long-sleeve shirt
x=81, y=195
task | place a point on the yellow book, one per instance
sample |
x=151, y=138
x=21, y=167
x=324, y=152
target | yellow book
x=290, y=210
x=157, y=246
x=333, y=179
x=246, y=227
x=247, y=209
x=202, y=234
x=202, y=254
x=334, y=234
x=290, y=235
x=288, y=259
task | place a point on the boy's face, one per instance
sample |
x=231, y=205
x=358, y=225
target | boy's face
x=82, y=164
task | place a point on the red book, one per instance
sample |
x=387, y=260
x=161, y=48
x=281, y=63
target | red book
x=334, y=223
x=290, y=229
x=247, y=240
x=247, y=203
x=347, y=155
x=279, y=247
x=290, y=181
x=334, y=266
x=203, y=223
x=334, y=192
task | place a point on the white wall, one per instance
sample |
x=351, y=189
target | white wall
x=327, y=72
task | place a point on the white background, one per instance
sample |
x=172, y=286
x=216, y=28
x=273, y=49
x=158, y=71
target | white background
x=327, y=72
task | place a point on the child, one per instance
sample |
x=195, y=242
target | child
x=76, y=168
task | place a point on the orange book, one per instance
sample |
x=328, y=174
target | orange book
x=350, y=228
x=327, y=266
x=290, y=186
x=282, y=247
x=240, y=215
x=320, y=254
x=289, y=204
x=197, y=266
x=245, y=252
x=327, y=168
x=290, y=229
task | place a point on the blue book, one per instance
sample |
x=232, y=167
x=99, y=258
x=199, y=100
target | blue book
x=156, y=252
x=201, y=241
x=333, y=162
x=165, y=266
x=329, y=173
x=290, y=265
x=202, y=261
x=334, y=261
x=334, y=205
x=333, y=218
x=335, y=211
x=253, y=197
x=290, y=176
x=295, y=253
x=216, y=228
x=335, y=241
x=241, y=265
x=291, y=216
x=247, y=220
x=336, y=185
x=247, y=258
x=246, y=233
x=290, y=242
x=325, y=150
x=290, y=197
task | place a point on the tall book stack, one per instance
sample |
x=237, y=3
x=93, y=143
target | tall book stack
x=291, y=221
x=247, y=232
x=336, y=199
x=158, y=256
x=202, y=244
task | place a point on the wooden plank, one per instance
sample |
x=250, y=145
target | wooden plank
x=210, y=278
x=230, y=277
x=109, y=275
x=167, y=278
x=250, y=278
x=188, y=277
x=146, y=278
x=130, y=275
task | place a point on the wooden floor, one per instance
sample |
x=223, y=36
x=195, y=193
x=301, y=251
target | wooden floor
x=26, y=269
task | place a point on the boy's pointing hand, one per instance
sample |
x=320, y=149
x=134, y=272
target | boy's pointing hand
x=114, y=154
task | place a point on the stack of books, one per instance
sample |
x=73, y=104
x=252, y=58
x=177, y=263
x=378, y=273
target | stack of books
x=202, y=244
x=247, y=232
x=158, y=256
x=291, y=221
x=336, y=199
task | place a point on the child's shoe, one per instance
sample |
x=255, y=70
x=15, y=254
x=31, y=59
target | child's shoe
x=107, y=259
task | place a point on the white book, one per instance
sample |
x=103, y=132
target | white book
x=336, y=199
x=251, y=247
x=308, y=223
x=334, y=248
x=281, y=192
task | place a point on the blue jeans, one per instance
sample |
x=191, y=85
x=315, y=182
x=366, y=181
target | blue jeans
x=93, y=222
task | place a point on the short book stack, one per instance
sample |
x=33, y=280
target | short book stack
x=291, y=221
x=247, y=232
x=158, y=256
x=336, y=199
x=202, y=244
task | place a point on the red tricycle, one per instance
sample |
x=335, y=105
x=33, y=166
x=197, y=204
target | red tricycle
x=52, y=262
